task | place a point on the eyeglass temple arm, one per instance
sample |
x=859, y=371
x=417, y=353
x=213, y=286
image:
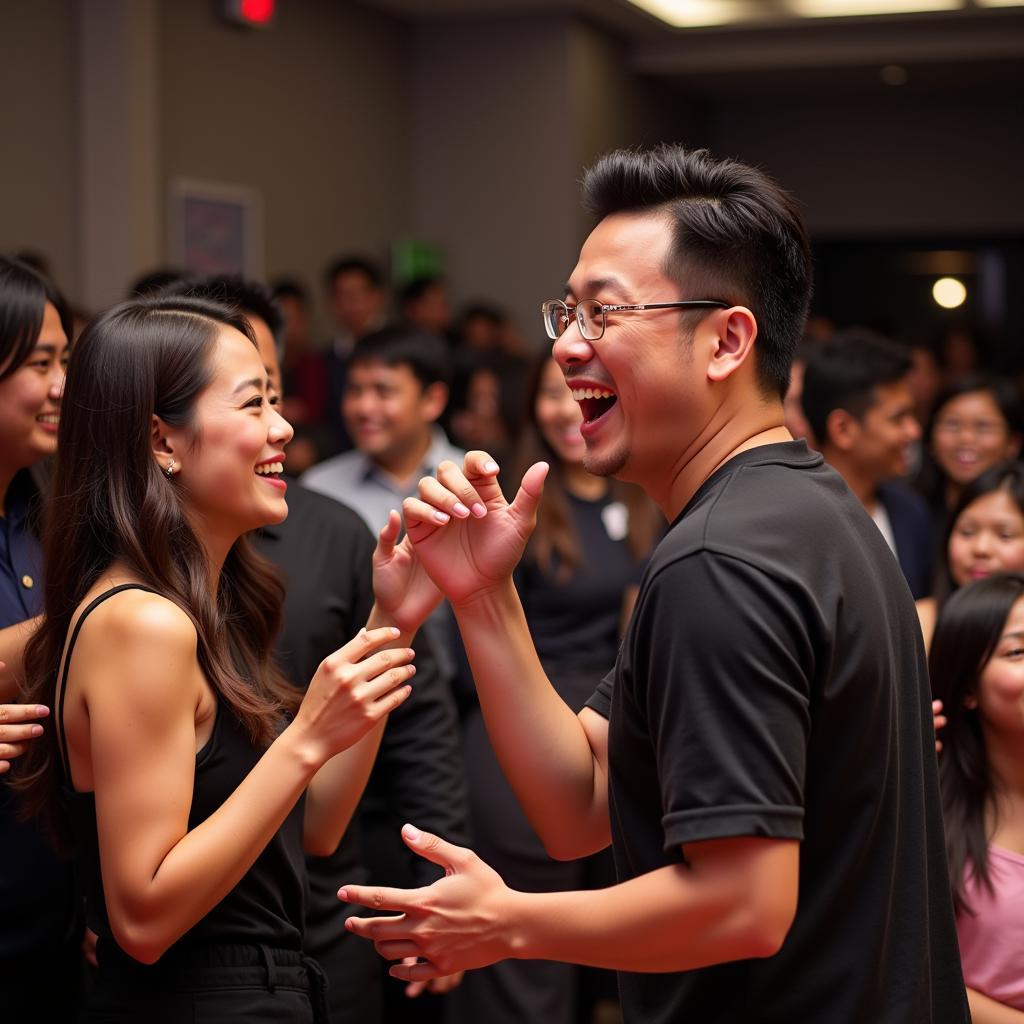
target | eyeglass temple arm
x=666, y=305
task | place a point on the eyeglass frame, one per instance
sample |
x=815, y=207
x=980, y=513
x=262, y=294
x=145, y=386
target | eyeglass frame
x=572, y=314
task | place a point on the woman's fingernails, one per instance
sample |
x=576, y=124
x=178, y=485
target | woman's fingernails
x=36, y=730
x=460, y=510
x=490, y=467
x=411, y=832
x=478, y=510
x=441, y=517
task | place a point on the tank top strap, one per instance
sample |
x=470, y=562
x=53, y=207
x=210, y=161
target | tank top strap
x=94, y=603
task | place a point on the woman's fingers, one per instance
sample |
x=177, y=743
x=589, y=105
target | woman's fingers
x=388, y=535
x=365, y=642
x=380, y=687
x=422, y=518
x=11, y=750
x=11, y=714
x=19, y=733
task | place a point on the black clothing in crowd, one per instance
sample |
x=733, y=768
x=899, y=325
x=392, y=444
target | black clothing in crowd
x=772, y=683
x=324, y=551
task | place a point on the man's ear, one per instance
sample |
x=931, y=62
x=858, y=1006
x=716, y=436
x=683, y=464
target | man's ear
x=737, y=329
x=434, y=400
x=842, y=430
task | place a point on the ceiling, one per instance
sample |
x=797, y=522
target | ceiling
x=970, y=52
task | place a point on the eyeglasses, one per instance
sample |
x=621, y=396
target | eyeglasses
x=589, y=314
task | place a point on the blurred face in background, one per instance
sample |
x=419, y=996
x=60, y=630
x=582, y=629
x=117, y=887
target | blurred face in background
x=987, y=537
x=356, y=303
x=969, y=435
x=558, y=415
x=387, y=410
x=431, y=311
x=887, y=430
x=999, y=695
x=30, y=398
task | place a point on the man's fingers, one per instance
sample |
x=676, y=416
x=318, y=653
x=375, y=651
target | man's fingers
x=470, y=502
x=381, y=929
x=434, y=848
x=397, y=949
x=481, y=471
x=423, y=971
x=422, y=518
x=376, y=897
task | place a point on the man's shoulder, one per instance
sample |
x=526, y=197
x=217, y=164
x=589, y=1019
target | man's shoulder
x=312, y=509
x=340, y=470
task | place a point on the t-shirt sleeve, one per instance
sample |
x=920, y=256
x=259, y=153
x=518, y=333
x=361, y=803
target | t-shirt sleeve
x=723, y=677
x=601, y=701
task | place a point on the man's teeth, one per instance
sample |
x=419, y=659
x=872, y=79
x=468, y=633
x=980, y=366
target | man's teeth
x=270, y=467
x=580, y=393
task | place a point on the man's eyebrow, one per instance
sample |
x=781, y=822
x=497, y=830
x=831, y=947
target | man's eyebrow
x=598, y=284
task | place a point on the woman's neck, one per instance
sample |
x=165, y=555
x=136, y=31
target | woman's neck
x=581, y=484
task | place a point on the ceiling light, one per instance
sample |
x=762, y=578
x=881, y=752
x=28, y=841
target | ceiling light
x=864, y=8
x=702, y=13
x=949, y=293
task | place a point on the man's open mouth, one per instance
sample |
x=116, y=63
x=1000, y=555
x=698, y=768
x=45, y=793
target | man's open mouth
x=594, y=402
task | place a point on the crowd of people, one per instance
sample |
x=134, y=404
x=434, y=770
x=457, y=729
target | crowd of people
x=276, y=647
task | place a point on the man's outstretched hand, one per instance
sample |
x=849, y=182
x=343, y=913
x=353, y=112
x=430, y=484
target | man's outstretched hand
x=466, y=535
x=460, y=922
x=403, y=591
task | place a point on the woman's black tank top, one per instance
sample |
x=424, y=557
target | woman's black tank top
x=268, y=905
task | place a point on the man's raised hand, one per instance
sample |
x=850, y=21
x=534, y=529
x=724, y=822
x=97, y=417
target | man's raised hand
x=466, y=535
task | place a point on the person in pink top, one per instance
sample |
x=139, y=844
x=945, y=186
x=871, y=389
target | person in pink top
x=977, y=670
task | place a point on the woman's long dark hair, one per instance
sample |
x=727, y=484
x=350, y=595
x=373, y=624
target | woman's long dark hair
x=966, y=636
x=555, y=545
x=109, y=500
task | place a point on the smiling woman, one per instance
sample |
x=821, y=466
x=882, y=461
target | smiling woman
x=173, y=766
x=39, y=933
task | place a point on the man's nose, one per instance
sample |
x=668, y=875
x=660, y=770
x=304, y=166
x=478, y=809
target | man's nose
x=571, y=348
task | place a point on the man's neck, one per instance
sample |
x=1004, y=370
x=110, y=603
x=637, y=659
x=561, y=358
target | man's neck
x=864, y=488
x=728, y=433
x=403, y=466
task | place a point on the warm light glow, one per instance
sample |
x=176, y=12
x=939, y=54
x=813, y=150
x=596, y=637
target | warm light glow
x=1000, y=3
x=949, y=293
x=701, y=13
x=863, y=8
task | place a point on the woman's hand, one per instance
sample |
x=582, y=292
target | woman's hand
x=404, y=593
x=353, y=689
x=938, y=721
x=17, y=729
x=466, y=535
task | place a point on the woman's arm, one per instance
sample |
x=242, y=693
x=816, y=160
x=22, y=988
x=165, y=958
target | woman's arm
x=987, y=1011
x=142, y=689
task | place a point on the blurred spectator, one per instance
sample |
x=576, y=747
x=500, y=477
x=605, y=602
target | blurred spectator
x=305, y=397
x=486, y=406
x=153, y=282
x=986, y=536
x=860, y=412
x=423, y=303
x=792, y=404
x=357, y=303
x=975, y=671
x=484, y=328
x=576, y=582
x=977, y=422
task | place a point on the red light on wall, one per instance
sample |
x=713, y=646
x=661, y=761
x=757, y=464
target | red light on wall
x=249, y=13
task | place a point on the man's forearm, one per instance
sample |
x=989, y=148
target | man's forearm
x=670, y=919
x=541, y=745
x=985, y=1010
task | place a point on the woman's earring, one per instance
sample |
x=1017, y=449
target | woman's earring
x=169, y=471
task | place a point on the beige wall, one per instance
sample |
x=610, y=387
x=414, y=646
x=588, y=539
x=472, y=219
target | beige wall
x=313, y=113
x=37, y=170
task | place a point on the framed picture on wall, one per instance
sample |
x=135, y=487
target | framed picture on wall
x=215, y=228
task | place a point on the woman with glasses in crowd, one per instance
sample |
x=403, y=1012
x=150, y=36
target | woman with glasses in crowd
x=182, y=770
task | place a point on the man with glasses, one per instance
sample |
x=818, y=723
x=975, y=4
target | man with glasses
x=761, y=757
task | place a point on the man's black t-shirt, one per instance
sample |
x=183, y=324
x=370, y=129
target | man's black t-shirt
x=773, y=683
